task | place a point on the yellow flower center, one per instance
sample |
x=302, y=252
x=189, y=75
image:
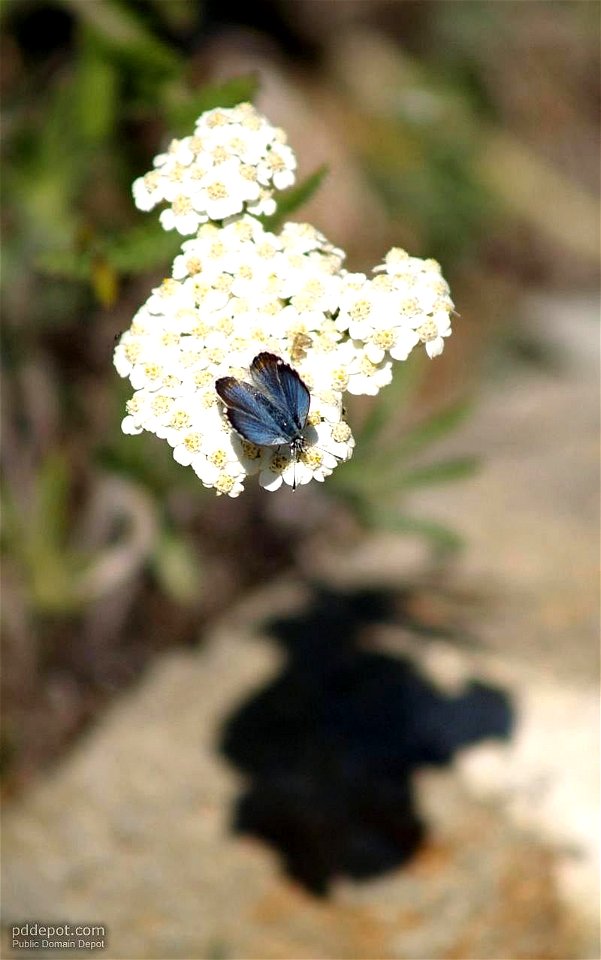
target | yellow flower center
x=219, y=155
x=278, y=463
x=132, y=351
x=410, y=307
x=180, y=420
x=217, y=250
x=272, y=308
x=312, y=458
x=303, y=301
x=251, y=122
x=201, y=329
x=192, y=442
x=189, y=358
x=216, y=355
x=329, y=397
x=181, y=205
x=193, y=266
x=267, y=251
x=251, y=450
x=169, y=287
x=428, y=331
x=384, y=339
x=217, y=191
x=340, y=379
x=217, y=119
x=360, y=310
x=225, y=325
x=224, y=483
x=223, y=282
x=244, y=231
x=218, y=458
x=367, y=367
x=161, y=405
x=276, y=162
x=176, y=174
x=341, y=432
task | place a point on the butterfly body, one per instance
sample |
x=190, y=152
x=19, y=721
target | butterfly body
x=272, y=410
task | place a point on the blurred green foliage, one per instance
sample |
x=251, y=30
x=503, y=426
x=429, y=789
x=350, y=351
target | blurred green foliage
x=76, y=122
x=387, y=463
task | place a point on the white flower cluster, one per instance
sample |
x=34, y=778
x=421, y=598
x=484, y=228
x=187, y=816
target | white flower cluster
x=233, y=162
x=237, y=290
x=408, y=302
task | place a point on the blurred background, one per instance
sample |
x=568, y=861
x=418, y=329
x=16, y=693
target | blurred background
x=273, y=719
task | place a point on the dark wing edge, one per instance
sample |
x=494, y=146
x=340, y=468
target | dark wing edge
x=228, y=390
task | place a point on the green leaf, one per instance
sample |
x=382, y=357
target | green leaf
x=68, y=264
x=378, y=476
x=95, y=94
x=124, y=35
x=290, y=200
x=143, y=247
x=183, y=113
x=455, y=468
x=437, y=426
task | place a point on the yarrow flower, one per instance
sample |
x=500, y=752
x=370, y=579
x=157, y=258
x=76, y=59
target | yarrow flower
x=237, y=290
x=233, y=162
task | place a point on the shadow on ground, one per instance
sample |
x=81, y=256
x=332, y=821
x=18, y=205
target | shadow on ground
x=330, y=746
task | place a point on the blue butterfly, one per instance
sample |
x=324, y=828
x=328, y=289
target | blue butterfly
x=272, y=410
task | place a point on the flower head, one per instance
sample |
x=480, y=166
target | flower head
x=237, y=290
x=233, y=162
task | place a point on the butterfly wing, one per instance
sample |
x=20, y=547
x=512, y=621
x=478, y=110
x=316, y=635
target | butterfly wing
x=284, y=387
x=253, y=415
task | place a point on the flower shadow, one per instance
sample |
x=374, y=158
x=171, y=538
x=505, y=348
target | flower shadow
x=329, y=747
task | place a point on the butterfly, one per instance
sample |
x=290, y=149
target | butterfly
x=272, y=410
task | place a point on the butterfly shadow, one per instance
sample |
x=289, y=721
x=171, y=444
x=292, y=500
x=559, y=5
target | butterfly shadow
x=329, y=747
